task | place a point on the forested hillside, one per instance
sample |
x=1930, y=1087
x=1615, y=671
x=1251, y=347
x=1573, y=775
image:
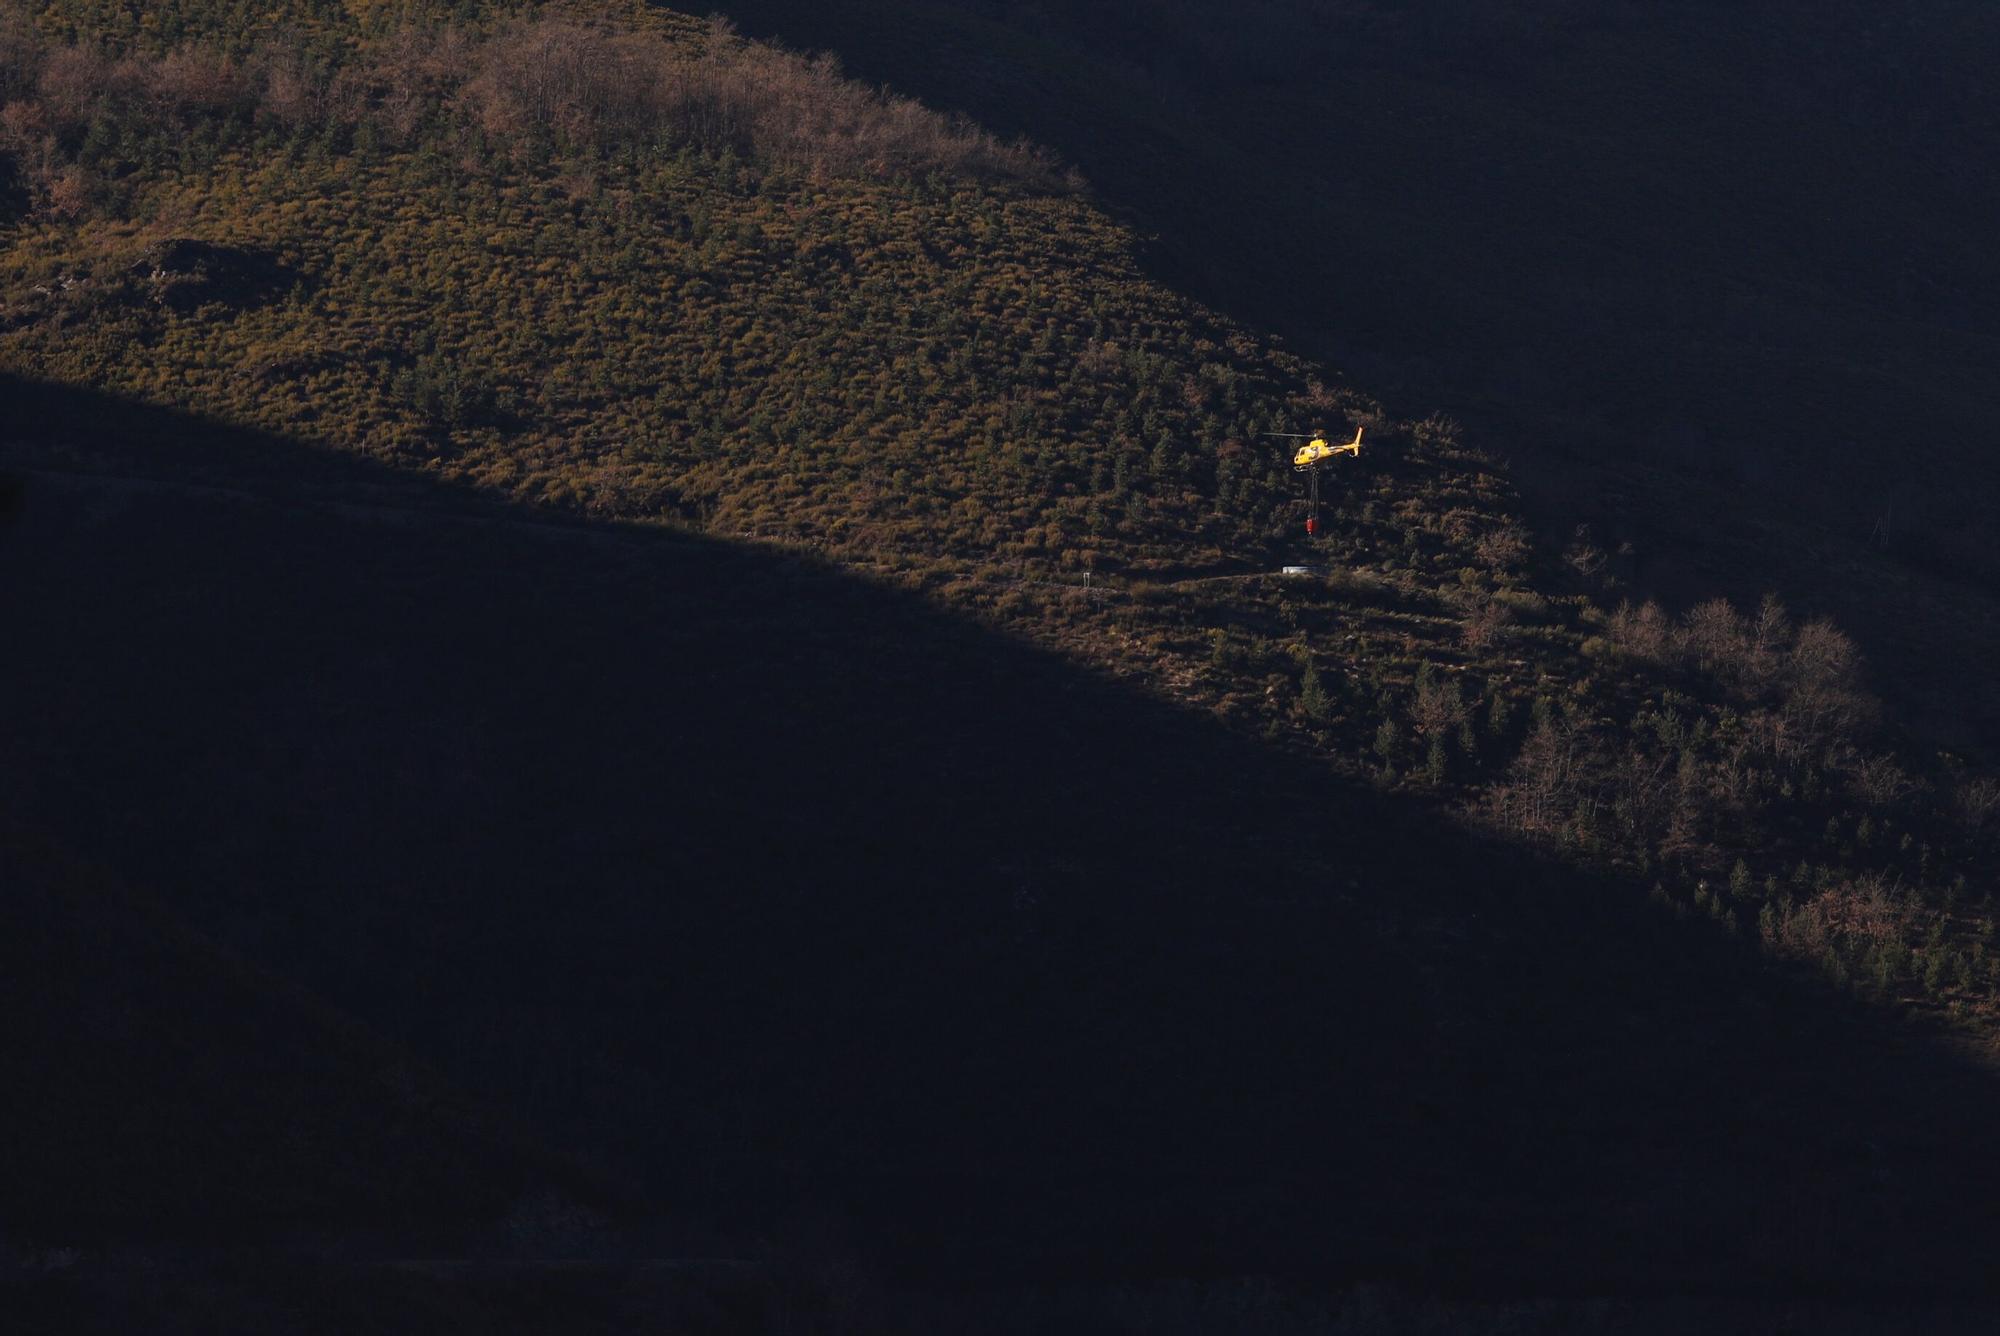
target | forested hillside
x=1713, y=278
x=593, y=523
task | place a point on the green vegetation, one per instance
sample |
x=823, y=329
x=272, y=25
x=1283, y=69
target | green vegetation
x=647, y=270
x=1714, y=281
x=636, y=271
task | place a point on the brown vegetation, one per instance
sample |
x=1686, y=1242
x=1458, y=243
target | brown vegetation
x=549, y=83
x=1814, y=669
x=658, y=272
x=1863, y=912
x=584, y=84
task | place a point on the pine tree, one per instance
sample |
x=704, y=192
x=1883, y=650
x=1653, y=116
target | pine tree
x=1387, y=740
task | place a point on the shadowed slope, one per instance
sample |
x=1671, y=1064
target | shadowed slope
x=161, y=1089
x=770, y=888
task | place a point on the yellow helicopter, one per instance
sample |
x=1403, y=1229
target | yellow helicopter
x=1310, y=456
x=1316, y=451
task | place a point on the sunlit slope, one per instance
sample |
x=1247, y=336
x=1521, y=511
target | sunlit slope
x=922, y=365
x=953, y=373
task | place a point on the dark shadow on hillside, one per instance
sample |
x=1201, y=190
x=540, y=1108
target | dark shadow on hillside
x=1619, y=219
x=185, y=273
x=770, y=891
x=165, y=1092
x=13, y=191
x=1609, y=238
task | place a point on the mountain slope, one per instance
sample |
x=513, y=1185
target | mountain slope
x=390, y=407
x=1713, y=278
x=644, y=269
x=765, y=890
x=164, y=1089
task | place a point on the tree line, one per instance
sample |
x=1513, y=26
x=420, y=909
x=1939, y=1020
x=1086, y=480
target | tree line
x=75, y=116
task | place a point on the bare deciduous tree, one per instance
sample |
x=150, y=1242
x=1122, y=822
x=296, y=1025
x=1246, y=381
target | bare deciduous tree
x=1503, y=549
x=1644, y=632
x=193, y=83
x=1713, y=636
x=583, y=85
x=1437, y=708
x=1864, y=910
x=1822, y=655
x=1642, y=788
x=1878, y=781
x=1543, y=783
x=1978, y=803
x=73, y=80
x=22, y=52
x=1768, y=636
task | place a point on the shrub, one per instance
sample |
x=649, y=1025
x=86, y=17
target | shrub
x=1503, y=550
